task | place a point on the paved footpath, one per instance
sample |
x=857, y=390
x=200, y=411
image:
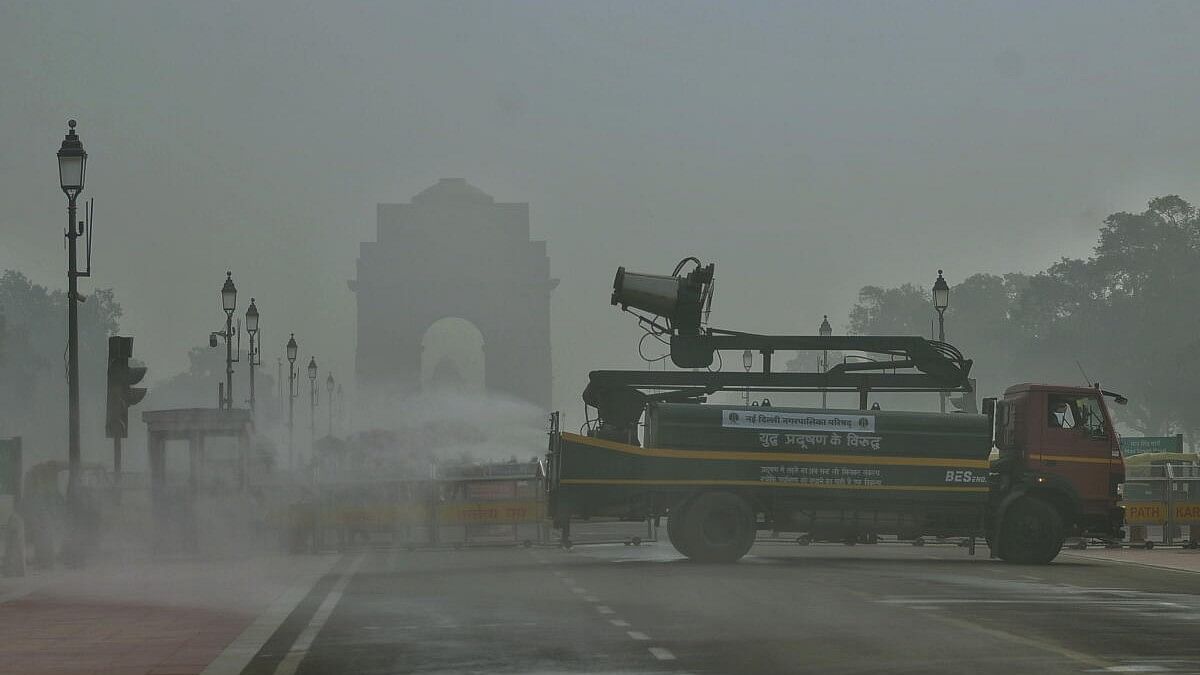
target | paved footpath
x=1179, y=559
x=165, y=618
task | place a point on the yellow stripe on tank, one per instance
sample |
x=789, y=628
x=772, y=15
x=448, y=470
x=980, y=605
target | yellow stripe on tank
x=1072, y=458
x=755, y=483
x=668, y=453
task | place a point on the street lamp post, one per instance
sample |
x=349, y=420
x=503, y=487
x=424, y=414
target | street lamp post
x=312, y=399
x=825, y=331
x=941, y=300
x=292, y=348
x=279, y=384
x=329, y=390
x=747, y=363
x=72, y=160
x=228, y=304
x=863, y=392
x=255, y=360
x=341, y=406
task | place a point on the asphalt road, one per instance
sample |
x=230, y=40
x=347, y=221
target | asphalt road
x=784, y=609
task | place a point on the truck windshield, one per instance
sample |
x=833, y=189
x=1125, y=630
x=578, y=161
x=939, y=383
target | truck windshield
x=1077, y=412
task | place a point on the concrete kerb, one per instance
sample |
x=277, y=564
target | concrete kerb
x=1101, y=556
x=234, y=658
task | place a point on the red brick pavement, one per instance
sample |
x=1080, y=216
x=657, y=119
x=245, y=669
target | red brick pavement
x=149, y=620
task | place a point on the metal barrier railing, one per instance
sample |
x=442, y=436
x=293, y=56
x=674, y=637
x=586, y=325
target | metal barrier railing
x=462, y=506
x=613, y=531
x=1162, y=500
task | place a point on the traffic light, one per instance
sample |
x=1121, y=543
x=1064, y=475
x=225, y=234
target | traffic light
x=966, y=403
x=121, y=392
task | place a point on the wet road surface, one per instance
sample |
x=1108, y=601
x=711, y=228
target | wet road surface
x=783, y=609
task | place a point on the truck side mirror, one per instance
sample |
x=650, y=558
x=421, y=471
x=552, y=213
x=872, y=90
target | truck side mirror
x=989, y=409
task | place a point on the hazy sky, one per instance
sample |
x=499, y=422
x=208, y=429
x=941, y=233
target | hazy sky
x=808, y=148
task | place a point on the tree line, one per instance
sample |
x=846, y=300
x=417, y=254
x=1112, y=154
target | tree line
x=33, y=380
x=1124, y=316
x=33, y=363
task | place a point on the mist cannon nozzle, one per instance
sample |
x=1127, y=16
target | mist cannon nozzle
x=681, y=300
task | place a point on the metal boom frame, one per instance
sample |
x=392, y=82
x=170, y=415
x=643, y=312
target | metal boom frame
x=620, y=396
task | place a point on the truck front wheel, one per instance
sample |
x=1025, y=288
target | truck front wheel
x=675, y=529
x=716, y=527
x=1031, y=533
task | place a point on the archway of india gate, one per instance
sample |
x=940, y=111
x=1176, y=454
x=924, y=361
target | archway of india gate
x=454, y=251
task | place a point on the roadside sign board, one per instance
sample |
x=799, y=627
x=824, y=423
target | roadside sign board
x=1142, y=444
x=1187, y=513
x=491, y=490
x=493, y=513
x=1145, y=513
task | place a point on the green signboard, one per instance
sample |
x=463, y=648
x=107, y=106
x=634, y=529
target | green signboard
x=10, y=466
x=1144, y=444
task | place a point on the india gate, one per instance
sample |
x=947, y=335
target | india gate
x=454, y=252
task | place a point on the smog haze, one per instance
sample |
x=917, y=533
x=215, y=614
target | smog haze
x=809, y=148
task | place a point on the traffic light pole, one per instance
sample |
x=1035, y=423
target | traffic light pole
x=117, y=469
x=121, y=395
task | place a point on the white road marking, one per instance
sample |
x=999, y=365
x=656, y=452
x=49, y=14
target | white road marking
x=299, y=648
x=637, y=635
x=662, y=654
x=559, y=573
x=591, y=598
x=619, y=623
x=1098, y=602
x=577, y=590
x=604, y=609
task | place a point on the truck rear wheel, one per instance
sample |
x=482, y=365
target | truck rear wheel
x=1031, y=533
x=716, y=527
